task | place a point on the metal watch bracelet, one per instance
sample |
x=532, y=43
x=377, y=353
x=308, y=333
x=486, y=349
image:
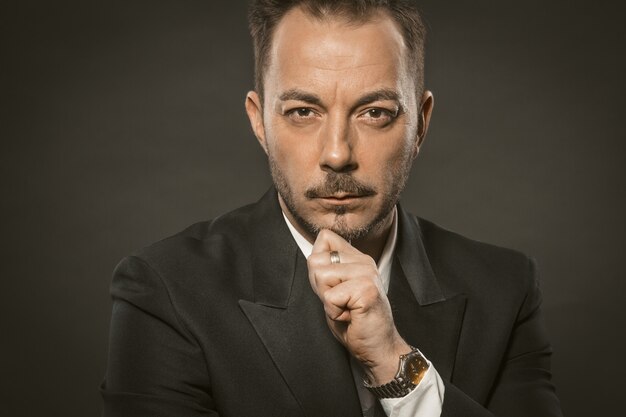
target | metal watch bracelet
x=411, y=369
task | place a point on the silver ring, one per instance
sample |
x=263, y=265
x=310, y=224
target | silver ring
x=334, y=257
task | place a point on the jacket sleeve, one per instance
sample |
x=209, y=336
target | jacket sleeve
x=155, y=366
x=522, y=387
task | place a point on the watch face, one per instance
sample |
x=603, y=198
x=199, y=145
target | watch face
x=415, y=368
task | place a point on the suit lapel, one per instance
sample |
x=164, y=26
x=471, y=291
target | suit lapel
x=425, y=318
x=289, y=320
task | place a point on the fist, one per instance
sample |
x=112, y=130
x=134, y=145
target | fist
x=357, y=309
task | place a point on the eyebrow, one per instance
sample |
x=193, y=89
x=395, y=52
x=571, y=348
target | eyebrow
x=379, y=95
x=370, y=97
x=299, y=95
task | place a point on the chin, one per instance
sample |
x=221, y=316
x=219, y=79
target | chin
x=347, y=226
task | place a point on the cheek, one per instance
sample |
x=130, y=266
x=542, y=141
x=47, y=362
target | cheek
x=294, y=151
x=382, y=156
x=289, y=166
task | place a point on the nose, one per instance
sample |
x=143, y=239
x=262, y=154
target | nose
x=337, y=147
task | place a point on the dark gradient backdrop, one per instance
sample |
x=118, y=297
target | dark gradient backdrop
x=123, y=122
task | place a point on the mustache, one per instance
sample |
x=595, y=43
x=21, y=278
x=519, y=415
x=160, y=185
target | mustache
x=337, y=183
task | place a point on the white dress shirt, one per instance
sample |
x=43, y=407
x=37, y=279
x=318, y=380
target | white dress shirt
x=427, y=398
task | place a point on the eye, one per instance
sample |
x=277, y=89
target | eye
x=375, y=113
x=378, y=116
x=301, y=113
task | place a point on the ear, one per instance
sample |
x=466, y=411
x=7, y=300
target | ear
x=254, y=108
x=426, y=110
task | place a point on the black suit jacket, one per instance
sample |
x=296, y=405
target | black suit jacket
x=221, y=320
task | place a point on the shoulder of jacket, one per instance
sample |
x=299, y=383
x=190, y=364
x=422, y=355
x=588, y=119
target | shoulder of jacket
x=474, y=262
x=207, y=239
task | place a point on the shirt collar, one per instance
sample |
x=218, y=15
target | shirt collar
x=384, y=263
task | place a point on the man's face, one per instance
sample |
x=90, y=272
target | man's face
x=339, y=122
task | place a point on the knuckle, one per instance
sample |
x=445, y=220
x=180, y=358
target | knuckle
x=314, y=260
x=328, y=298
x=370, y=293
x=322, y=274
x=323, y=234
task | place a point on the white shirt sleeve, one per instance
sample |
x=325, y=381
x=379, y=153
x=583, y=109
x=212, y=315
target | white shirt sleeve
x=425, y=400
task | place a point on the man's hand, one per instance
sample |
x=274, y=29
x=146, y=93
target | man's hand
x=356, y=306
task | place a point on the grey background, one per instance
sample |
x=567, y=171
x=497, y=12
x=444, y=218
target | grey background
x=122, y=122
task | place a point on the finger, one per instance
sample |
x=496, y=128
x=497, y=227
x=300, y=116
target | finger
x=342, y=301
x=335, y=303
x=323, y=277
x=324, y=258
x=327, y=241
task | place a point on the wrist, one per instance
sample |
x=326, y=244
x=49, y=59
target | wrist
x=386, y=368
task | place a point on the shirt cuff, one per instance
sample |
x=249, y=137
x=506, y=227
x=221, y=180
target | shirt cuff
x=425, y=400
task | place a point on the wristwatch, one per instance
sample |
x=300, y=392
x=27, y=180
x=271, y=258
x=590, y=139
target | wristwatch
x=412, y=368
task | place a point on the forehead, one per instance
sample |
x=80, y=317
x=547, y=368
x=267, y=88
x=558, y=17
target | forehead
x=330, y=52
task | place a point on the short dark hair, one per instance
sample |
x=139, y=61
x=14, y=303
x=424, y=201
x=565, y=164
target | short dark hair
x=264, y=15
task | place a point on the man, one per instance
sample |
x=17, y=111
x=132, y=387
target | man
x=326, y=298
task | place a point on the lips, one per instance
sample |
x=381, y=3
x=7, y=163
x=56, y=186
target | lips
x=341, y=200
x=342, y=196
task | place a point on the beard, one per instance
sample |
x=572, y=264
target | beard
x=335, y=183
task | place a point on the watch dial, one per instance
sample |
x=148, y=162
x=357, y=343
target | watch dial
x=416, y=368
